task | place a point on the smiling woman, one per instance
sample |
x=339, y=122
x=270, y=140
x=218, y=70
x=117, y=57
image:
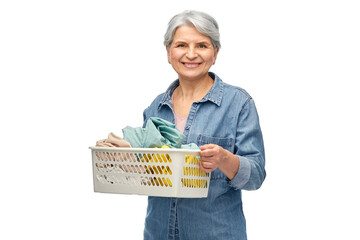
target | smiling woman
x=222, y=120
x=191, y=54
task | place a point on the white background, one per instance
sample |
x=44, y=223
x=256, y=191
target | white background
x=73, y=71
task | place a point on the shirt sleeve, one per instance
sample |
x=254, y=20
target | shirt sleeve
x=249, y=148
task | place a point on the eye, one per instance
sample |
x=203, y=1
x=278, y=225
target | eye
x=202, y=46
x=181, y=45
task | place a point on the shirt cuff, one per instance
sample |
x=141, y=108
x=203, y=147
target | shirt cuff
x=243, y=174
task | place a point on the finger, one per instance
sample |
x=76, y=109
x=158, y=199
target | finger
x=208, y=165
x=207, y=159
x=207, y=146
x=204, y=169
x=207, y=153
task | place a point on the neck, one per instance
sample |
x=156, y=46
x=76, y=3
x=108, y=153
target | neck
x=193, y=90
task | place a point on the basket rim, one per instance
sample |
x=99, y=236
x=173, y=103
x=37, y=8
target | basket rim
x=124, y=149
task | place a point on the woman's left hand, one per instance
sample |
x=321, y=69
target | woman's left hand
x=213, y=156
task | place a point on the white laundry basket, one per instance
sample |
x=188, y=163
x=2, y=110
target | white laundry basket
x=149, y=171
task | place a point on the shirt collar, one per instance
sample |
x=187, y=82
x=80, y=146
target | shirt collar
x=214, y=95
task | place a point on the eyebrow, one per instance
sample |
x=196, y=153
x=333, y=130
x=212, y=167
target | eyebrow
x=200, y=42
x=204, y=42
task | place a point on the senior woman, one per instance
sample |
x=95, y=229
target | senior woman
x=222, y=120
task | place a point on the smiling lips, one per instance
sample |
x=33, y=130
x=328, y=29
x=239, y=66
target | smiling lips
x=191, y=65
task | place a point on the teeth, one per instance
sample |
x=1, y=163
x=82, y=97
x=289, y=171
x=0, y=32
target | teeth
x=191, y=64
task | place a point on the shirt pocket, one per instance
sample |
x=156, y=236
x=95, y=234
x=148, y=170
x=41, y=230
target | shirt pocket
x=226, y=143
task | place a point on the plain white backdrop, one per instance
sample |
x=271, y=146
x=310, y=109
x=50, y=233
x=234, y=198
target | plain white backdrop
x=73, y=71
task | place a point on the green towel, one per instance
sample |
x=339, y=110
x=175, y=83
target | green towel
x=157, y=133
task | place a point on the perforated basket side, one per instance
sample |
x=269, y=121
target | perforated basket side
x=152, y=172
x=194, y=182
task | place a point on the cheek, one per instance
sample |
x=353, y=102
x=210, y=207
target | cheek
x=210, y=57
x=174, y=55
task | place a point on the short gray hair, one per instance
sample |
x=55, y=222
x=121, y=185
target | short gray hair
x=203, y=22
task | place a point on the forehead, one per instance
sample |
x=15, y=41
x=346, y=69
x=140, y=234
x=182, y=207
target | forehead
x=189, y=33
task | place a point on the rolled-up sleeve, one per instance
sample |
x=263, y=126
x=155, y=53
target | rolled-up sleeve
x=249, y=148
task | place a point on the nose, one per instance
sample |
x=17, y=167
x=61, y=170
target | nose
x=191, y=53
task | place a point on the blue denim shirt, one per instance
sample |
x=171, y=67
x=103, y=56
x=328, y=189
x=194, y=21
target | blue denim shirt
x=226, y=116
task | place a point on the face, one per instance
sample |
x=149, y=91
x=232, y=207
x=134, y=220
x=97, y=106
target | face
x=191, y=53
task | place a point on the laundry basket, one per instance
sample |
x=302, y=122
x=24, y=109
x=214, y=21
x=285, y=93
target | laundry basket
x=149, y=171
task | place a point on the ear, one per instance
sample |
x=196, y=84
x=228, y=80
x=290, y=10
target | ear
x=215, y=55
x=168, y=54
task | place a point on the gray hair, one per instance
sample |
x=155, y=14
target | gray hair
x=203, y=22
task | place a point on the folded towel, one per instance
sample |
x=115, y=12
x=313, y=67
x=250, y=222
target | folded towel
x=113, y=141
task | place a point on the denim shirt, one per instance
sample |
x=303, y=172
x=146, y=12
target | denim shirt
x=226, y=116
